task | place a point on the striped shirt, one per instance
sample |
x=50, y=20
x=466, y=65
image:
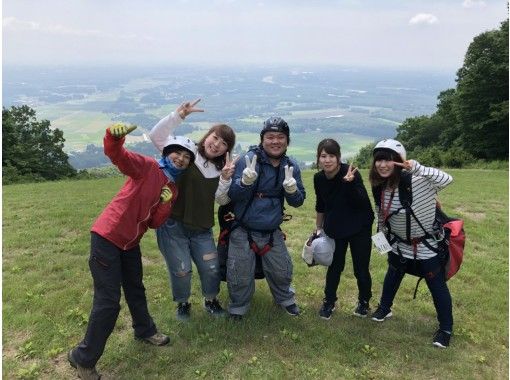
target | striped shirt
x=426, y=182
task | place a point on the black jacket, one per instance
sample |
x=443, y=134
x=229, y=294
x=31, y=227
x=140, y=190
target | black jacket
x=346, y=206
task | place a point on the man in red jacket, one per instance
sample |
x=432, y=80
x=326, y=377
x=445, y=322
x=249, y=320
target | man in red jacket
x=145, y=201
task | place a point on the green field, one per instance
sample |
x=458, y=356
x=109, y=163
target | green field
x=82, y=127
x=47, y=294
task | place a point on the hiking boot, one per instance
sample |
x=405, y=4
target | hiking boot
x=362, y=309
x=441, y=339
x=326, y=309
x=214, y=308
x=83, y=372
x=235, y=317
x=157, y=339
x=183, y=311
x=379, y=315
x=292, y=310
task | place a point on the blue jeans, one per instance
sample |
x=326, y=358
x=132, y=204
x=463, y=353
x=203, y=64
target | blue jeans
x=436, y=284
x=111, y=269
x=179, y=246
x=276, y=263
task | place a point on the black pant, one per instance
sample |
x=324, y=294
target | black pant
x=361, y=247
x=112, y=268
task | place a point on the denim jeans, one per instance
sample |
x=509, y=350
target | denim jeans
x=180, y=246
x=276, y=263
x=436, y=284
x=361, y=247
x=112, y=268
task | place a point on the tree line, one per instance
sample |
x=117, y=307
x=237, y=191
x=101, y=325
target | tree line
x=471, y=121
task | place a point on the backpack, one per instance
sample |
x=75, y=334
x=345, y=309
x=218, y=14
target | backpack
x=449, y=231
x=226, y=220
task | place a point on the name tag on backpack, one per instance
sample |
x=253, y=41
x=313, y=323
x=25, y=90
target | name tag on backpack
x=381, y=243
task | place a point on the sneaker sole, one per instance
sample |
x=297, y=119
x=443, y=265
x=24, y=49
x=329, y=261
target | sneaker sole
x=439, y=345
x=217, y=314
x=360, y=315
x=70, y=359
x=327, y=318
x=389, y=315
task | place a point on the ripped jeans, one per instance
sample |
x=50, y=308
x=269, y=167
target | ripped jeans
x=179, y=246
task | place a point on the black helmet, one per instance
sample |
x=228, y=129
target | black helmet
x=275, y=124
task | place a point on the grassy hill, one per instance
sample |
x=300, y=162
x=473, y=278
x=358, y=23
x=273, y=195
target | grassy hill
x=47, y=294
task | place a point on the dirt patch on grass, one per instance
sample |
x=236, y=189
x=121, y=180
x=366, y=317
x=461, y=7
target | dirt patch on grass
x=475, y=216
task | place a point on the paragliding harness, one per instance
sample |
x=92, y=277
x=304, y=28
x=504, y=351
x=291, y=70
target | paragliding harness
x=229, y=222
x=448, y=233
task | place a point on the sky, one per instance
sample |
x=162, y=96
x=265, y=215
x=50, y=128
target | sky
x=402, y=34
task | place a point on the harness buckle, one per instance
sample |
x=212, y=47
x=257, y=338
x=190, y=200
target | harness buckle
x=228, y=217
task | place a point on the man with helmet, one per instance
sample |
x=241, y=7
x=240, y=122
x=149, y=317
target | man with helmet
x=261, y=183
x=407, y=223
x=145, y=201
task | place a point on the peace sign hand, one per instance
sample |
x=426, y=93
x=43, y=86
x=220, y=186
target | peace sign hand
x=186, y=108
x=249, y=173
x=289, y=184
x=228, y=169
x=349, y=177
x=406, y=165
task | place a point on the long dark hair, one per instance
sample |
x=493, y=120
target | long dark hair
x=329, y=146
x=393, y=180
x=227, y=134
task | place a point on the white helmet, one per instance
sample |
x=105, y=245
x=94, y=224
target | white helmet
x=392, y=145
x=319, y=251
x=182, y=142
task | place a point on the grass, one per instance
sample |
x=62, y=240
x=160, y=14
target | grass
x=47, y=295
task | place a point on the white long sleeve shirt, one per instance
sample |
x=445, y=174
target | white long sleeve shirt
x=426, y=183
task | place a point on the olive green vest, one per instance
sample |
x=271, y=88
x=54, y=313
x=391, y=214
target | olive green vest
x=195, y=204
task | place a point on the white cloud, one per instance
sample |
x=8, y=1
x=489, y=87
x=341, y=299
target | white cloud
x=474, y=4
x=423, y=18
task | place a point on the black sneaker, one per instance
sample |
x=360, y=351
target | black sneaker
x=83, y=372
x=441, y=339
x=235, y=317
x=292, y=310
x=326, y=310
x=379, y=315
x=362, y=309
x=214, y=308
x=183, y=311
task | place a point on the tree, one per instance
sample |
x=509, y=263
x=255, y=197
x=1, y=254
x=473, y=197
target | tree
x=31, y=149
x=482, y=95
x=471, y=121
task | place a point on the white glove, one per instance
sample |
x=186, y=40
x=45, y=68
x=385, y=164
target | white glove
x=249, y=173
x=289, y=184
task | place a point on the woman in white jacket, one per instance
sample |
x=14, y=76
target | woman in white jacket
x=187, y=236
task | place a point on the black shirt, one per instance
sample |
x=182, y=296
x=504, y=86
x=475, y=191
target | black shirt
x=346, y=206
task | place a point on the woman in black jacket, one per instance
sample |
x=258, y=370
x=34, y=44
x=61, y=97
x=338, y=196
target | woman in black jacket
x=344, y=214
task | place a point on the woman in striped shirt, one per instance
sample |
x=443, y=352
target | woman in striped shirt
x=411, y=250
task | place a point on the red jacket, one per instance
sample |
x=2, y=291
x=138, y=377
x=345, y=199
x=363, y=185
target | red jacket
x=136, y=207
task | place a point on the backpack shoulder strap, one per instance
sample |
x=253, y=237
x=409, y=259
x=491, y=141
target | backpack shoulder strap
x=405, y=190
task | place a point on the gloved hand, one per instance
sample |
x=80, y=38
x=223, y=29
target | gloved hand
x=120, y=130
x=249, y=173
x=166, y=194
x=289, y=184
